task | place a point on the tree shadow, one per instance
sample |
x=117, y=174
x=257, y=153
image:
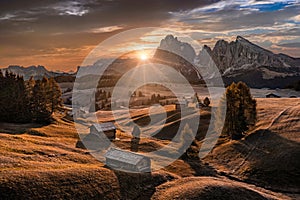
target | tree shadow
x=18, y=128
x=273, y=160
x=135, y=185
x=200, y=168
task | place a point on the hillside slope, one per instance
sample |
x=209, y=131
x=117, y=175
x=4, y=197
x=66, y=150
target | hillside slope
x=268, y=155
x=42, y=162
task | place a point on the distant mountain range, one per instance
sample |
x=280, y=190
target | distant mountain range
x=239, y=60
x=37, y=72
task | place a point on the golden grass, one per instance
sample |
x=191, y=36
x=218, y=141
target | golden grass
x=43, y=161
x=206, y=188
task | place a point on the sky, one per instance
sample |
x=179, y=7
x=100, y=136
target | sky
x=59, y=34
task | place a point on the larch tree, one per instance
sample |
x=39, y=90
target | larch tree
x=240, y=111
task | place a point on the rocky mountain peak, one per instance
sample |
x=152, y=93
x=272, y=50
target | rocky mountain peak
x=242, y=60
x=241, y=39
x=173, y=45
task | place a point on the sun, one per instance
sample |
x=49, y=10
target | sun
x=143, y=56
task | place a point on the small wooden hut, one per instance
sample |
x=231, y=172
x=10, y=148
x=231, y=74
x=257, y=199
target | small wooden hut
x=108, y=128
x=127, y=161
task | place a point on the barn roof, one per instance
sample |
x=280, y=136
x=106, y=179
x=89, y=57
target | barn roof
x=124, y=156
x=108, y=126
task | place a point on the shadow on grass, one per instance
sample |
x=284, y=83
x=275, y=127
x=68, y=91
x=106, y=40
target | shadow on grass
x=200, y=168
x=18, y=129
x=274, y=160
x=135, y=185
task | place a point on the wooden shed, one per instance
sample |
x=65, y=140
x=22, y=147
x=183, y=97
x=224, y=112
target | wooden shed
x=181, y=104
x=108, y=128
x=272, y=95
x=127, y=161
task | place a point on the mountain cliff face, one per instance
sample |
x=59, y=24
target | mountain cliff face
x=185, y=67
x=242, y=54
x=242, y=60
x=239, y=60
x=173, y=45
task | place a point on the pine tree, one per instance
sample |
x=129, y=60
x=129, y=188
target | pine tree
x=30, y=97
x=13, y=98
x=196, y=98
x=42, y=110
x=141, y=94
x=54, y=95
x=109, y=94
x=206, y=101
x=2, y=97
x=153, y=98
x=21, y=113
x=28, y=101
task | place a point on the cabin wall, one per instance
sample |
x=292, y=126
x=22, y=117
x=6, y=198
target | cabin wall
x=109, y=134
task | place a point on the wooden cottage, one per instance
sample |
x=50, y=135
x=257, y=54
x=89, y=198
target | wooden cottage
x=181, y=104
x=272, y=95
x=127, y=161
x=108, y=128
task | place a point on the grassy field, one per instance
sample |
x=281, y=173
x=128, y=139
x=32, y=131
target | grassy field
x=41, y=162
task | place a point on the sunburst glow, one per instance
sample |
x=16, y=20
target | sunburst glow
x=143, y=56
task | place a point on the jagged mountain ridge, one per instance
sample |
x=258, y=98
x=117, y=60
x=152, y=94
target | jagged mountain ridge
x=236, y=54
x=37, y=72
x=173, y=45
x=241, y=60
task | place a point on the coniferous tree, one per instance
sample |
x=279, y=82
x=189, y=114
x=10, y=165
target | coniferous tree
x=30, y=97
x=141, y=94
x=196, y=98
x=21, y=113
x=206, y=101
x=240, y=111
x=41, y=111
x=28, y=101
x=2, y=97
x=54, y=95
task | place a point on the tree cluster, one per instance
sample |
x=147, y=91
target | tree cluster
x=102, y=99
x=241, y=110
x=28, y=101
x=155, y=98
x=196, y=99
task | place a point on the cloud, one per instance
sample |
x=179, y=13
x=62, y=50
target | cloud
x=266, y=23
x=7, y=16
x=74, y=8
x=295, y=19
x=227, y=17
x=73, y=24
x=249, y=5
x=292, y=45
x=106, y=29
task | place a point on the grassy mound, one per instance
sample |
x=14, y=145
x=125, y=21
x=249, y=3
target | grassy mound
x=207, y=188
x=268, y=156
x=60, y=184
